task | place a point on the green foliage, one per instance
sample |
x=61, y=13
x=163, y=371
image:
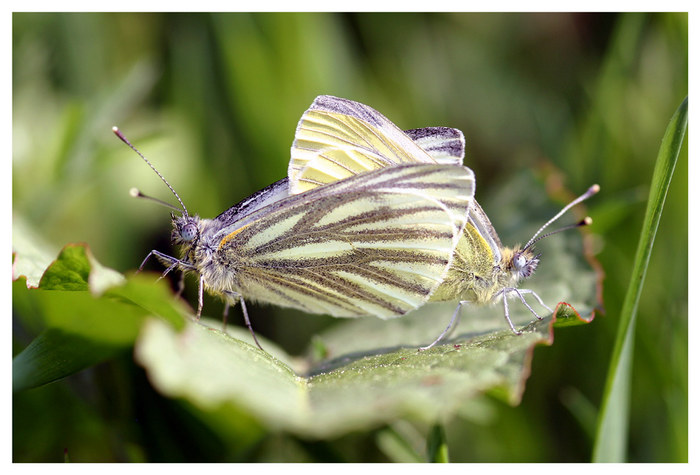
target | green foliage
x=355, y=392
x=80, y=330
x=612, y=428
x=437, y=445
x=213, y=101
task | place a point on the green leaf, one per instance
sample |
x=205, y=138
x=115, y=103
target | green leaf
x=81, y=327
x=31, y=255
x=76, y=269
x=214, y=370
x=70, y=271
x=80, y=330
x=611, y=438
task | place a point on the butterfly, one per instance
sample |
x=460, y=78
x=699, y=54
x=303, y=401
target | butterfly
x=377, y=243
x=337, y=138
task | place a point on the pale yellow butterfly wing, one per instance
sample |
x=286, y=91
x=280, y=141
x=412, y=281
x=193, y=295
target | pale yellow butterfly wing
x=343, y=138
x=378, y=243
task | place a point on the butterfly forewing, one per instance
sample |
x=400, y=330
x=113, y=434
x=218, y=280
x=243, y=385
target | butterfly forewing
x=352, y=138
x=274, y=192
x=375, y=244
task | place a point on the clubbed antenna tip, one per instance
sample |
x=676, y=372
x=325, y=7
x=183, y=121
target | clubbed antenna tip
x=135, y=192
x=585, y=222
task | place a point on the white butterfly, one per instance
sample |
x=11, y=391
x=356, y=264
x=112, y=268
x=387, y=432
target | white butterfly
x=377, y=243
x=338, y=138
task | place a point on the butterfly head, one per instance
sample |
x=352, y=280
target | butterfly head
x=524, y=263
x=185, y=229
x=519, y=264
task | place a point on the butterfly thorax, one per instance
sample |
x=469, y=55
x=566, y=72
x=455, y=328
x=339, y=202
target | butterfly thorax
x=215, y=262
x=515, y=265
x=478, y=275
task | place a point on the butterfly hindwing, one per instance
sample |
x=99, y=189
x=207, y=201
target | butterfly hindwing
x=445, y=145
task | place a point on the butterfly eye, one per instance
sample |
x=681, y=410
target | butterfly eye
x=188, y=232
x=519, y=261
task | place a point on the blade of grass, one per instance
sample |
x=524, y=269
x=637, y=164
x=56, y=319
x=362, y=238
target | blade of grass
x=397, y=446
x=611, y=438
x=437, y=445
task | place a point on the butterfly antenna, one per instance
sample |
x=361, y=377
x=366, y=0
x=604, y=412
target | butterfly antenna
x=585, y=222
x=137, y=193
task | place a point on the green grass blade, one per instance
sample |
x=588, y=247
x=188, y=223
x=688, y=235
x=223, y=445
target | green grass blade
x=611, y=438
x=437, y=445
x=55, y=354
x=400, y=442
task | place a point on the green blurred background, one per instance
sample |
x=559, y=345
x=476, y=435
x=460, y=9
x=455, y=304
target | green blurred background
x=213, y=100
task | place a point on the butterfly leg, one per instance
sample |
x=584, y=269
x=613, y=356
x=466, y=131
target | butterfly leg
x=507, y=314
x=247, y=322
x=537, y=297
x=174, y=264
x=226, y=307
x=166, y=271
x=163, y=257
x=446, y=330
x=522, y=299
x=143, y=263
x=181, y=285
x=200, y=300
x=236, y=295
x=519, y=293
